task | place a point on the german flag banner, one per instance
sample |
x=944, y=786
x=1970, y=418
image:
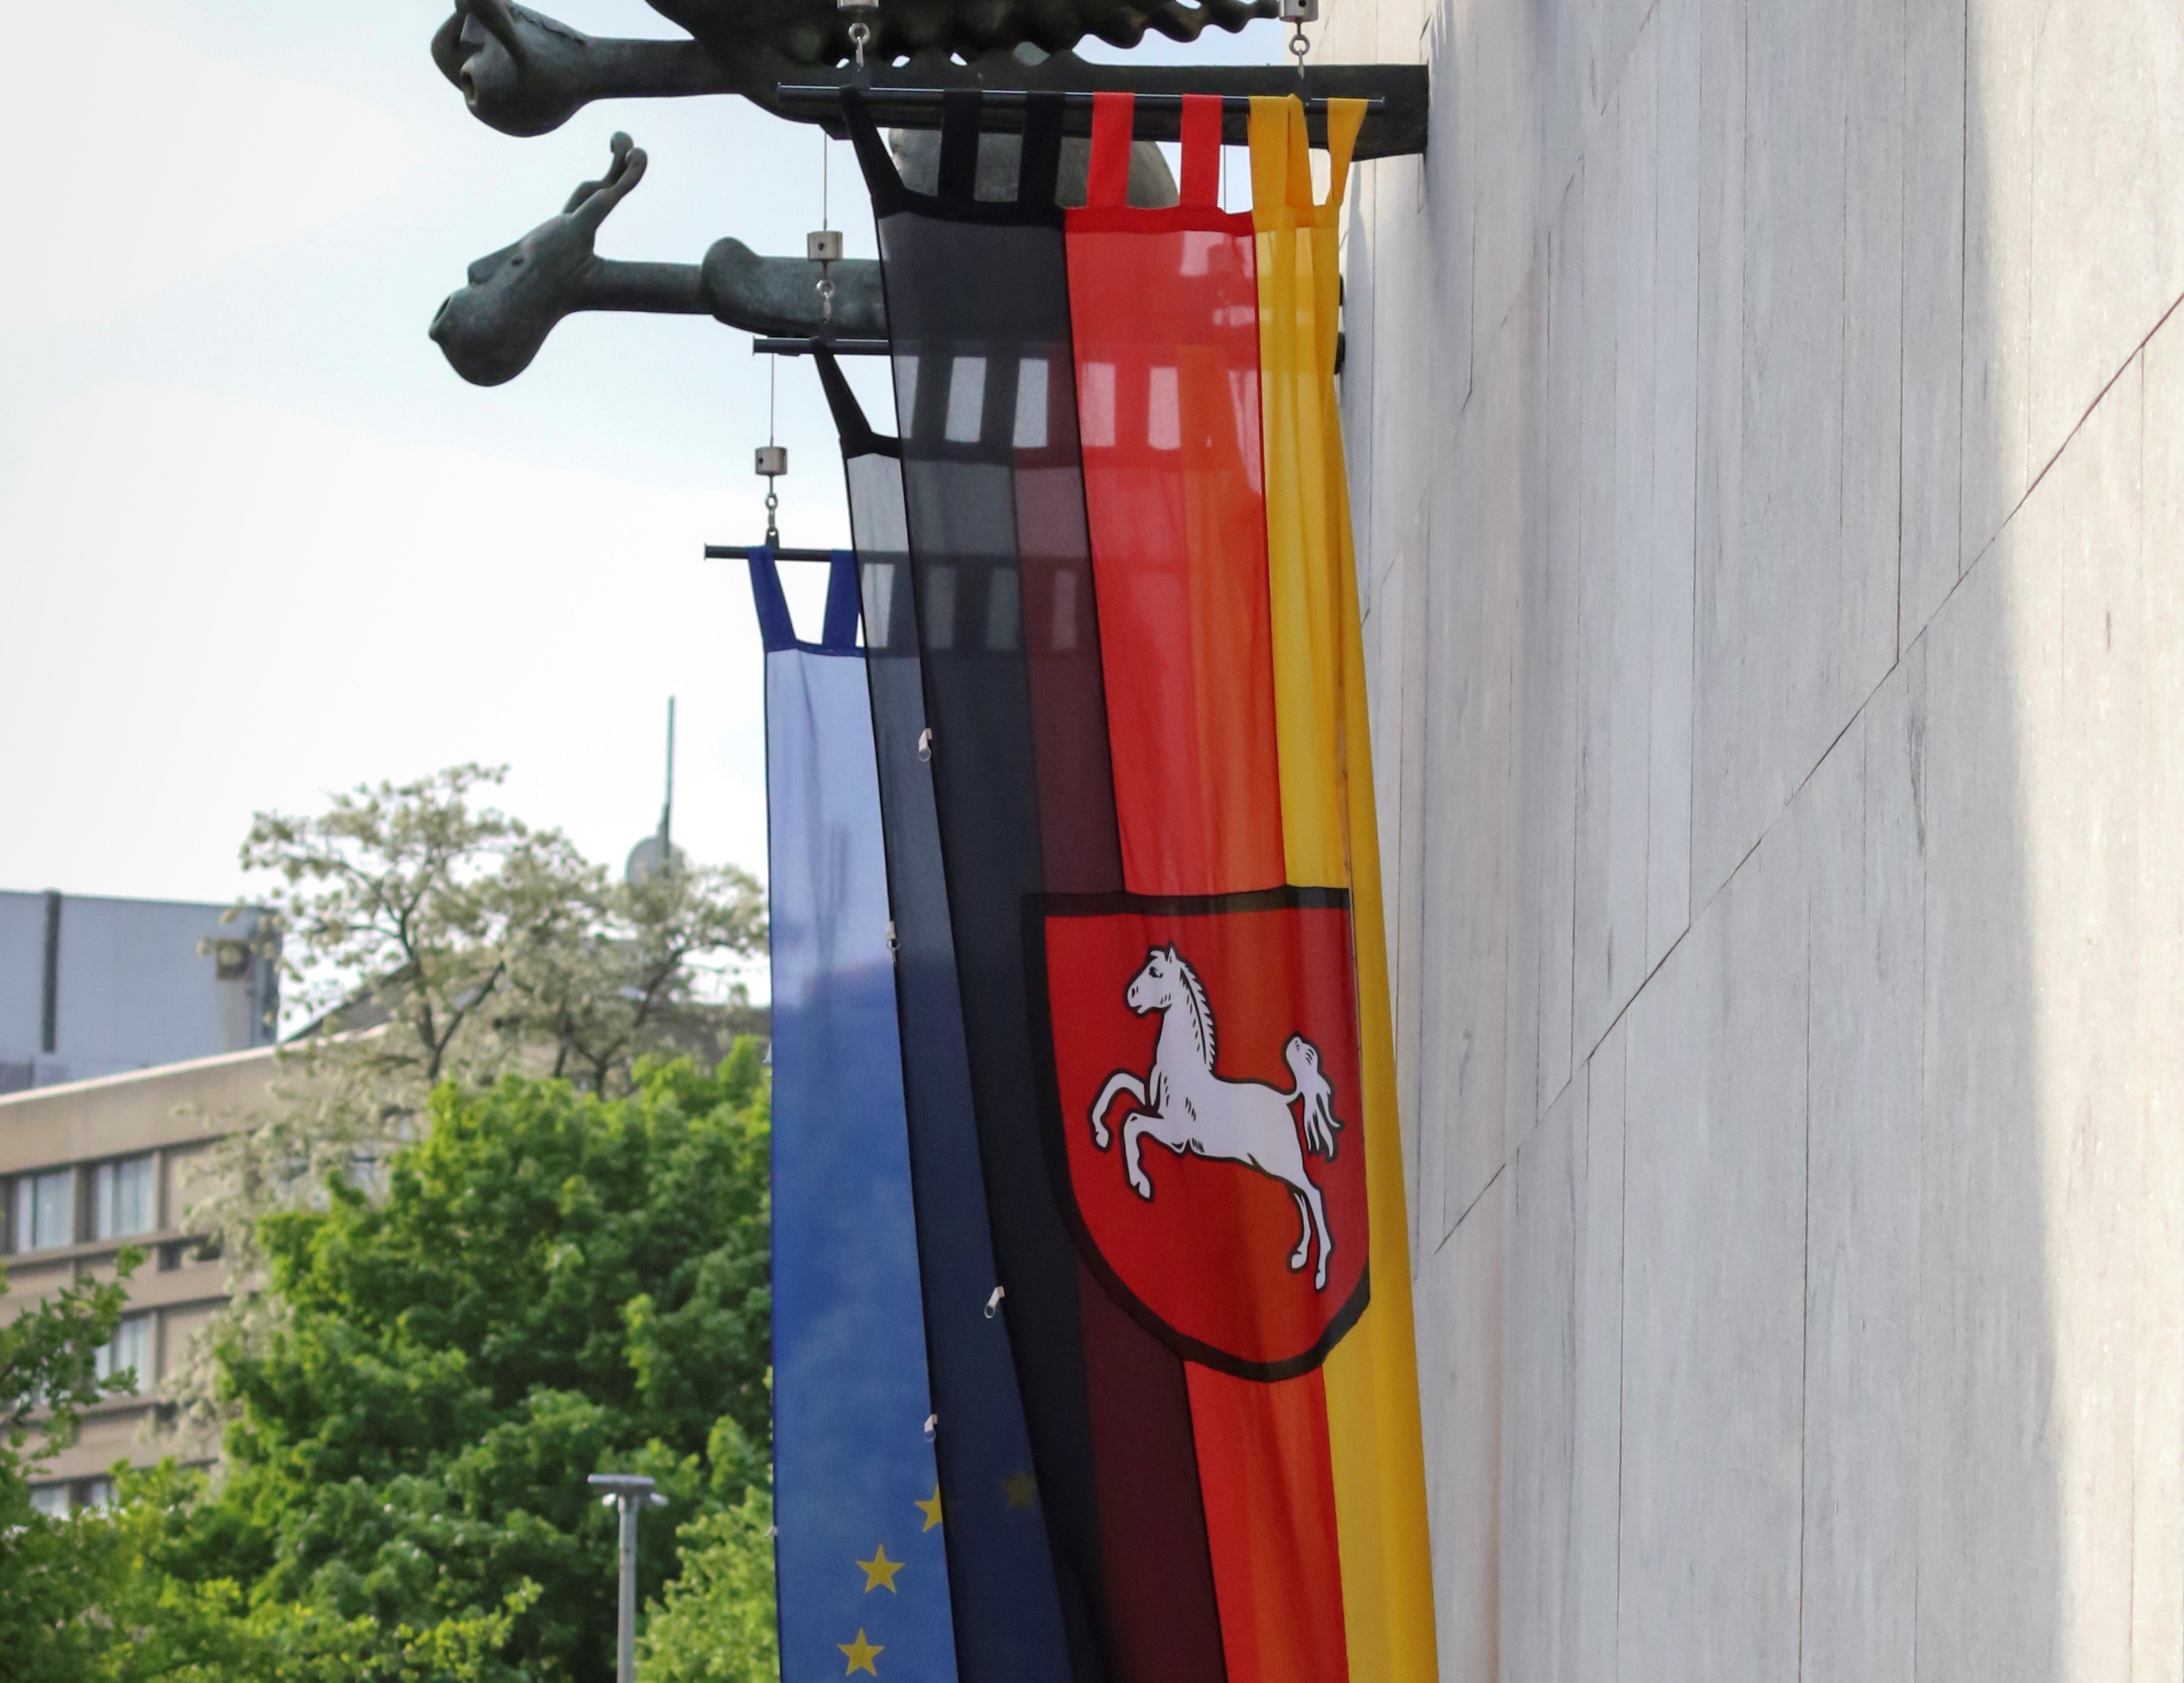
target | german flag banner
x=1141, y=714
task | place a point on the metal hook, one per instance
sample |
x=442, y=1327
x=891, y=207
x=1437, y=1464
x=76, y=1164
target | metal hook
x=861, y=32
x=1297, y=14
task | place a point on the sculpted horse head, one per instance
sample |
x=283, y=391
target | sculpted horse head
x=525, y=73
x=492, y=327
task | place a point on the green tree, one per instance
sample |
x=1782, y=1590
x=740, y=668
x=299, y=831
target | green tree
x=49, y=1376
x=552, y=1284
x=433, y=937
x=484, y=945
x=716, y=1622
x=138, y=1614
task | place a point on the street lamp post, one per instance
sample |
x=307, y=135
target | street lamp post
x=629, y=1491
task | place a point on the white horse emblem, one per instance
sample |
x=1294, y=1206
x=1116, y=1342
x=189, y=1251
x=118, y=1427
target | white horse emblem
x=1183, y=1105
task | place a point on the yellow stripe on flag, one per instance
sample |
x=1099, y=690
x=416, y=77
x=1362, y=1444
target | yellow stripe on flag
x=1330, y=839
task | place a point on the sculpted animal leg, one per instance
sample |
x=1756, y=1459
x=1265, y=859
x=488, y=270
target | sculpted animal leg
x=1121, y=1081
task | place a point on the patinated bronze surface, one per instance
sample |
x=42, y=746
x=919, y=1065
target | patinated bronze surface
x=793, y=35
x=492, y=328
x=525, y=73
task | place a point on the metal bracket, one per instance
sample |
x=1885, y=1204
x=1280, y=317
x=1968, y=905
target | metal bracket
x=907, y=96
x=527, y=74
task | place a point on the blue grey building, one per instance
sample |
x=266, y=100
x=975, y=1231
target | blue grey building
x=92, y=986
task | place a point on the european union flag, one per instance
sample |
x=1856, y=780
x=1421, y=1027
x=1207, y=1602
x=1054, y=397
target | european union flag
x=862, y=1575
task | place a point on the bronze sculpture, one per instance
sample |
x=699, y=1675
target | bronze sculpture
x=525, y=73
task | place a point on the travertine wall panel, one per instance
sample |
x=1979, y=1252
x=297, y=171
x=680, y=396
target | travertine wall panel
x=1768, y=420
x=1474, y=640
x=1626, y=547
x=1871, y=319
x=2106, y=255
x=1598, y=1485
x=1460, y=1387
x=2158, y=1337
x=1539, y=1405
x=1930, y=418
x=1561, y=565
x=2000, y=37
x=1599, y=546
x=1864, y=898
x=1713, y=1290
x=1674, y=527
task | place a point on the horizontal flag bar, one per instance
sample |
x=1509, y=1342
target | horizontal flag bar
x=786, y=346
x=800, y=93
x=909, y=95
x=743, y=552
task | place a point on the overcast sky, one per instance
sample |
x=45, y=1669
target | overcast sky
x=258, y=542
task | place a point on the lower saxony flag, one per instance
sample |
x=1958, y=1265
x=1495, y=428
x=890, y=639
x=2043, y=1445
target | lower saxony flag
x=1123, y=567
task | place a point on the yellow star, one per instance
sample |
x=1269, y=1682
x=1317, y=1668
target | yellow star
x=861, y=1653
x=1020, y=1489
x=931, y=1509
x=879, y=1571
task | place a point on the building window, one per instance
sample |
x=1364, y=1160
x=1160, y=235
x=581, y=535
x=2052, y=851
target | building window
x=97, y=1493
x=45, y=1210
x=130, y=1351
x=50, y=1500
x=121, y=1200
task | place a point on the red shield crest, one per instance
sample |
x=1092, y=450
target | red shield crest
x=1203, y=1114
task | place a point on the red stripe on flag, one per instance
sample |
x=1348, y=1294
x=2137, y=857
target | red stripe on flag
x=1164, y=314
x=1163, y=1625
x=1268, y=1482
x=1165, y=319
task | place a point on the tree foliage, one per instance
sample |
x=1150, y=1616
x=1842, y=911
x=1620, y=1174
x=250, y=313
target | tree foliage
x=137, y=1610
x=491, y=1238
x=48, y=1375
x=430, y=936
x=552, y=1284
x=484, y=944
x=716, y=1623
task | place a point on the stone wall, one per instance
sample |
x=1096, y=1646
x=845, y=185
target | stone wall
x=1766, y=422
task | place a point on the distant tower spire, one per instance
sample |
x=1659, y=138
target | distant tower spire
x=667, y=806
x=656, y=852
